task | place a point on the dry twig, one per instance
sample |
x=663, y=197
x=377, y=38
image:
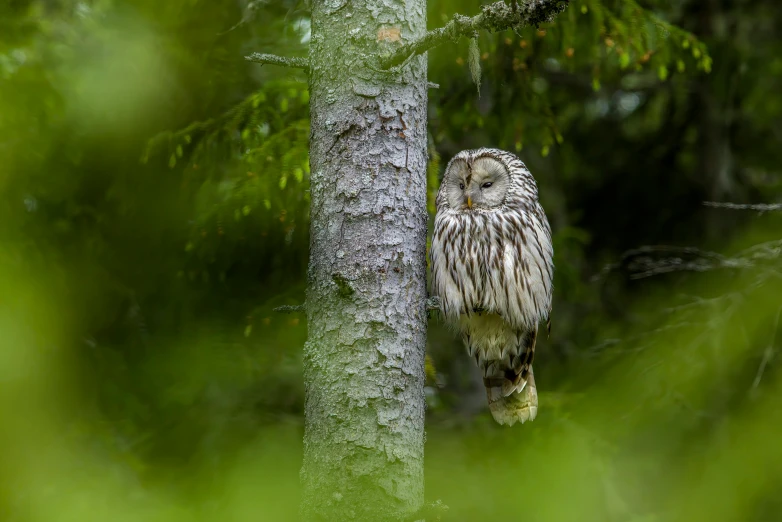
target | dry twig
x=759, y=207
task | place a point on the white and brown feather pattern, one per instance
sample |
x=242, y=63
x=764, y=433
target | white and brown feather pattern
x=493, y=271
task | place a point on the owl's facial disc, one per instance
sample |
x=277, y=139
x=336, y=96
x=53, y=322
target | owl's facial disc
x=482, y=186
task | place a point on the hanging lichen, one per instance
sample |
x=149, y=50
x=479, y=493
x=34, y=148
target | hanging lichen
x=474, y=61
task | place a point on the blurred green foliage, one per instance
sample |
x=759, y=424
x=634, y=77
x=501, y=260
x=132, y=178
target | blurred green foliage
x=154, y=210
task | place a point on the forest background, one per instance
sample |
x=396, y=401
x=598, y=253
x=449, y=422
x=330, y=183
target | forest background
x=154, y=212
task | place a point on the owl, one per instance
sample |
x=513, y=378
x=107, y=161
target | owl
x=492, y=268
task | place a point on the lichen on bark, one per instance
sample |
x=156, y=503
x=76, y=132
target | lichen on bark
x=366, y=298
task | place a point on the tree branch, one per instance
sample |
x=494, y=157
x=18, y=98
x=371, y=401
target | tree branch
x=760, y=207
x=273, y=59
x=647, y=261
x=495, y=17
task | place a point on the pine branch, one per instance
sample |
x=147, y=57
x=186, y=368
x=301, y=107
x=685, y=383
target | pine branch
x=495, y=17
x=648, y=261
x=273, y=59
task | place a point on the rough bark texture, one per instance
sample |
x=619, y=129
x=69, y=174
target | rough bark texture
x=366, y=299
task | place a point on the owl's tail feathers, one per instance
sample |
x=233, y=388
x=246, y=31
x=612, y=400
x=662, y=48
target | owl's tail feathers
x=510, y=404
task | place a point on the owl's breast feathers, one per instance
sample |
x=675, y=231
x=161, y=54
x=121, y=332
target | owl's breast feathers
x=497, y=261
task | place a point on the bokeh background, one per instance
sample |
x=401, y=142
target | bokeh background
x=154, y=210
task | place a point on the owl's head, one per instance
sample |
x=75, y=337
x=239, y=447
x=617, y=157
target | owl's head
x=475, y=182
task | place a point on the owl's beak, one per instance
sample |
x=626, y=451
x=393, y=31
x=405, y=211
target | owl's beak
x=469, y=202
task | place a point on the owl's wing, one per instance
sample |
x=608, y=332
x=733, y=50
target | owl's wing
x=523, y=286
x=515, y=375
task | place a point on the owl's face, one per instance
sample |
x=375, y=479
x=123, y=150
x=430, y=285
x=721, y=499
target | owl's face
x=481, y=184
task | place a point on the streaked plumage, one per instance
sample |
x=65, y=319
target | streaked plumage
x=492, y=269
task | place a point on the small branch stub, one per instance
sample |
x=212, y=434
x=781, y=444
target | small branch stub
x=495, y=17
x=272, y=59
x=289, y=309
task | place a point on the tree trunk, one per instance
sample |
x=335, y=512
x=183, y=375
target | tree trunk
x=364, y=360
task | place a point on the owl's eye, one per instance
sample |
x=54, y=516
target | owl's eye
x=487, y=184
x=461, y=186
